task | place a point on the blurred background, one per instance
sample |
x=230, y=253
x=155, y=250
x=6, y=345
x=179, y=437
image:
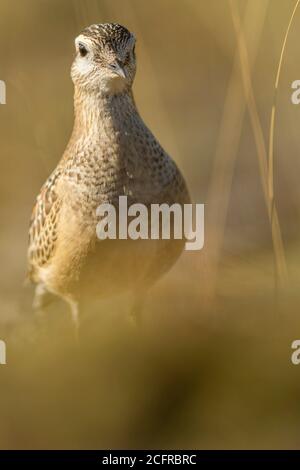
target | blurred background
x=210, y=367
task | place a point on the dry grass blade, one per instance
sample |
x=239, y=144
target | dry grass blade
x=273, y=112
x=280, y=261
x=227, y=149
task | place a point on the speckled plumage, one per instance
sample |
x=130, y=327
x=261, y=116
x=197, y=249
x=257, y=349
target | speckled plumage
x=111, y=153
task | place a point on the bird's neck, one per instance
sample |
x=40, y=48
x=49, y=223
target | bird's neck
x=95, y=112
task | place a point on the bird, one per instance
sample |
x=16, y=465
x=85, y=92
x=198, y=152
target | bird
x=111, y=153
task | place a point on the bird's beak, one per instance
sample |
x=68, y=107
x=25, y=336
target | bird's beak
x=118, y=69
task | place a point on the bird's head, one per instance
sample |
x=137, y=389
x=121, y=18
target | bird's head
x=105, y=59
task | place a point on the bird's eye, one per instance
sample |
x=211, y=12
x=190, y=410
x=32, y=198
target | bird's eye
x=82, y=50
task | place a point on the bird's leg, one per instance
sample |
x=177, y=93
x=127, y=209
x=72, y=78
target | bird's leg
x=74, y=306
x=42, y=297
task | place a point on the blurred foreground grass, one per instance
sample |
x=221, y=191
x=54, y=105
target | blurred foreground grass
x=185, y=379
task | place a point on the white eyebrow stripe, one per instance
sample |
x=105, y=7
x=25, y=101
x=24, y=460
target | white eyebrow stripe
x=82, y=39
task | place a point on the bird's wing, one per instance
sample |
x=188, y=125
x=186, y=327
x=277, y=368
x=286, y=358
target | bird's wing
x=43, y=225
